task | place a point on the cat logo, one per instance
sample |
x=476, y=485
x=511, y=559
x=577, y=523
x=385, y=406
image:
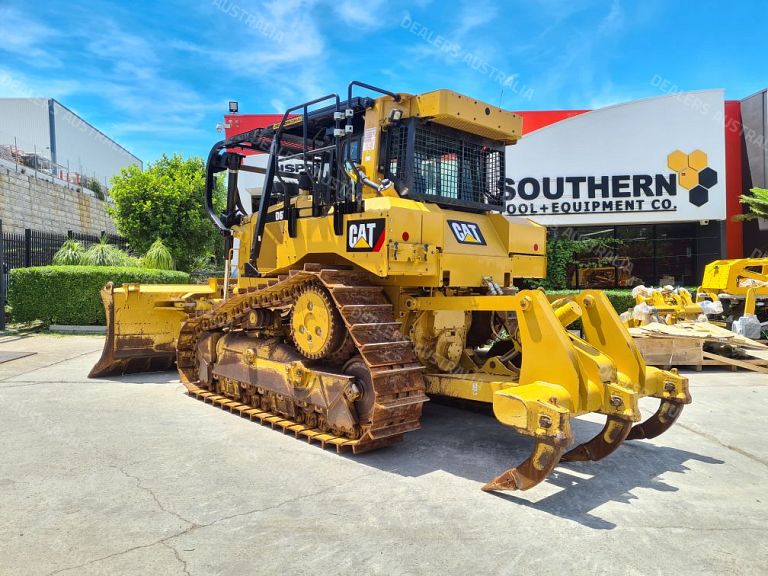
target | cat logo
x=365, y=235
x=467, y=232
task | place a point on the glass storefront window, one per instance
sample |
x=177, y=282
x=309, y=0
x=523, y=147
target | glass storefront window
x=636, y=251
x=675, y=249
x=595, y=268
x=643, y=254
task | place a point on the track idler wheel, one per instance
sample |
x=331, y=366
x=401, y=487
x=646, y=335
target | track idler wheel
x=615, y=431
x=667, y=414
x=533, y=470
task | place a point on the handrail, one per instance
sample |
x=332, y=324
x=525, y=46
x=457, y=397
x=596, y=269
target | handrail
x=210, y=171
x=218, y=162
x=370, y=87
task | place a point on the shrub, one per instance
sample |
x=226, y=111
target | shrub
x=70, y=294
x=158, y=257
x=95, y=186
x=104, y=254
x=757, y=202
x=70, y=254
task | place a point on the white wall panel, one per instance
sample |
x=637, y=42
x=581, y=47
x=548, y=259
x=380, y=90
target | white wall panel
x=86, y=149
x=25, y=119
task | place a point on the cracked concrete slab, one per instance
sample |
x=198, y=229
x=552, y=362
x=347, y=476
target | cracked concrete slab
x=130, y=476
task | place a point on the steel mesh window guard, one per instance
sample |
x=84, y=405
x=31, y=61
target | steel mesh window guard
x=446, y=166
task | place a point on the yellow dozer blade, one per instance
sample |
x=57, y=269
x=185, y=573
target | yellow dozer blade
x=143, y=323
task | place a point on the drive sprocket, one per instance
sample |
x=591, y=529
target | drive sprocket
x=317, y=330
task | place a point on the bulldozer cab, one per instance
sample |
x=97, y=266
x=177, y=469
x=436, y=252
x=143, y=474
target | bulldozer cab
x=439, y=147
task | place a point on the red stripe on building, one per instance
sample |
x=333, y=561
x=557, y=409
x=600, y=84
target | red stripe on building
x=535, y=119
x=734, y=185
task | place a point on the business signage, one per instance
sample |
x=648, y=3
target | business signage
x=655, y=160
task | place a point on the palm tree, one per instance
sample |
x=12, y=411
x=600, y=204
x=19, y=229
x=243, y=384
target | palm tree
x=757, y=202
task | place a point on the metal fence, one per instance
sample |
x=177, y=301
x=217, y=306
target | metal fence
x=38, y=163
x=37, y=248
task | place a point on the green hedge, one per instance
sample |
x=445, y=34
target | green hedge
x=70, y=294
x=620, y=298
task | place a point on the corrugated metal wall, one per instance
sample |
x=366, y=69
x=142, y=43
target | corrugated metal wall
x=26, y=120
x=754, y=116
x=85, y=149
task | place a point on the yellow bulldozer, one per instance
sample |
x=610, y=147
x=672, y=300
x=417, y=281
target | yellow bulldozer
x=381, y=273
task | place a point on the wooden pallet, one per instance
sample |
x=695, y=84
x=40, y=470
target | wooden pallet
x=668, y=352
x=752, y=363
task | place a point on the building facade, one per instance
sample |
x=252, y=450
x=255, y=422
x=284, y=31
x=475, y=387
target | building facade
x=659, y=179
x=45, y=135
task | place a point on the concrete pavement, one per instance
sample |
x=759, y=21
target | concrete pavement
x=130, y=476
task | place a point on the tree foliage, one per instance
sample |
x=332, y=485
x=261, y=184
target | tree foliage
x=166, y=201
x=757, y=202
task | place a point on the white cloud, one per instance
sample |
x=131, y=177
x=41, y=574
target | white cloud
x=284, y=32
x=124, y=78
x=112, y=43
x=608, y=95
x=279, y=48
x=576, y=70
x=613, y=21
x=14, y=84
x=23, y=36
x=163, y=105
x=474, y=14
x=355, y=13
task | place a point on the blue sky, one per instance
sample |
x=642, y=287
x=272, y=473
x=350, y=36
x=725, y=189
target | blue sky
x=156, y=76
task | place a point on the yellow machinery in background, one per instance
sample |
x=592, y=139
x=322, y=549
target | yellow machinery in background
x=740, y=284
x=594, y=276
x=667, y=305
x=382, y=272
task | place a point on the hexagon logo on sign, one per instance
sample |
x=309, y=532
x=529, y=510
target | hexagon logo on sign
x=693, y=174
